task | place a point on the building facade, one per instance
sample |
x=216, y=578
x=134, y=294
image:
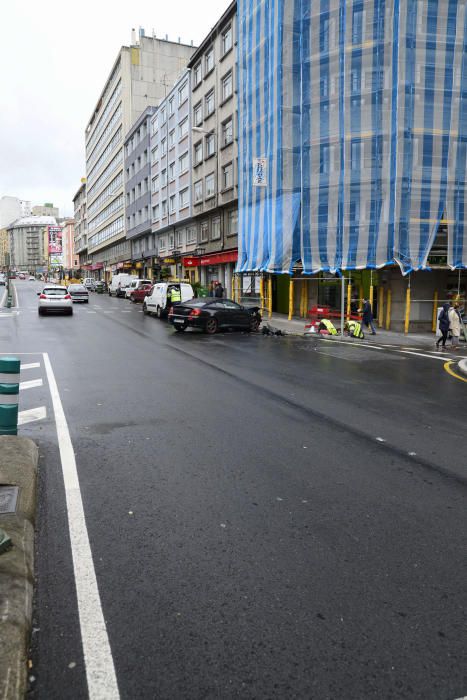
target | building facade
x=70, y=257
x=214, y=177
x=171, y=198
x=81, y=230
x=139, y=78
x=352, y=146
x=4, y=248
x=11, y=209
x=28, y=242
x=138, y=194
x=46, y=209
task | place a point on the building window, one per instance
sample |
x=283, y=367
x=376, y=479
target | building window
x=171, y=106
x=191, y=235
x=155, y=183
x=227, y=176
x=226, y=40
x=204, y=232
x=210, y=145
x=163, y=178
x=198, y=153
x=183, y=128
x=197, y=74
x=183, y=93
x=198, y=114
x=227, y=86
x=183, y=198
x=155, y=154
x=227, y=132
x=179, y=238
x=171, y=241
x=172, y=203
x=183, y=163
x=172, y=171
x=232, y=222
x=209, y=61
x=164, y=208
x=163, y=146
x=216, y=228
x=163, y=115
x=357, y=26
x=198, y=191
x=355, y=155
x=209, y=182
x=155, y=212
x=324, y=160
x=155, y=125
x=162, y=244
x=172, y=138
x=209, y=103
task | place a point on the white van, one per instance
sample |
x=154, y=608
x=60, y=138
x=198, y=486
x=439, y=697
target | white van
x=134, y=285
x=157, y=302
x=124, y=280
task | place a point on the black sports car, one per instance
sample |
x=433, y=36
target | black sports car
x=213, y=314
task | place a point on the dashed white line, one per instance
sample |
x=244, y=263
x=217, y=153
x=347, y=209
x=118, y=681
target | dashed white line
x=32, y=415
x=31, y=384
x=99, y=664
x=422, y=354
x=30, y=365
x=380, y=439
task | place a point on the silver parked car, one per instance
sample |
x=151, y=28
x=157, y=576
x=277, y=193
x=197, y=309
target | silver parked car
x=78, y=292
x=55, y=298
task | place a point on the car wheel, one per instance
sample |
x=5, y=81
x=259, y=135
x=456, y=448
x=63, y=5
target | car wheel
x=40, y=312
x=159, y=312
x=179, y=329
x=254, y=324
x=70, y=312
x=211, y=326
x=145, y=308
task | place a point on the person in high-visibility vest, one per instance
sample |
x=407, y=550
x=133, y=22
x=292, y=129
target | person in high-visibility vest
x=326, y=325
x=175, y=295
x=354, y=329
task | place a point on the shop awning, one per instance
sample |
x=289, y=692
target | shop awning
x=211, y=259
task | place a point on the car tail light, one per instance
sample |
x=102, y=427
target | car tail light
x=42, y=296
x=194, y=312
x=67, y=296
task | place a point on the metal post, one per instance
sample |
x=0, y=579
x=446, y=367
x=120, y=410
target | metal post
x=261, y=294
x=342, y=305
x=407, y=309
x=349, y=297
x=291, y=299
x=270, y=296
x=388, y=310
x=9, y=395
x=381, y=307
x=435, y=310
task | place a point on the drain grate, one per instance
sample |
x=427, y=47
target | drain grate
x=8, y=499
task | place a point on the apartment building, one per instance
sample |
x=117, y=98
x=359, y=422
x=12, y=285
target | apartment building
x=214, y=177
x=4, y=248
x=139, y=78
x=81, y=234
x=70, y=257
x=12, y=208
x=171, y=205
x=138, y=194
x=46, y=209
x=28, y=242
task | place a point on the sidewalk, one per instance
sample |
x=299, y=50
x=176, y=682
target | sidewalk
x=420, y=340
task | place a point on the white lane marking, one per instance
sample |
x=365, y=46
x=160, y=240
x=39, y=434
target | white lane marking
x=91, y=312
x=32, y=415
x=30, y=384
x=100, y=670
x=109, y=312
x=4, y=296
x=31, y=365
x=127, y=312
x=96, y=307
x=422, y=354
x=380, y=439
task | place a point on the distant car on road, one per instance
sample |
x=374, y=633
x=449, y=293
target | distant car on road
x=214, y=314
x=32, y=278
x=2, y=278
x=141, y=293
x=55, y=298
x=78, y=292
x=21, y=276
x=134, y=285
x=88, y=283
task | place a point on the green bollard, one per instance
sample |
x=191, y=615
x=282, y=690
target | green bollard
x=9, y=395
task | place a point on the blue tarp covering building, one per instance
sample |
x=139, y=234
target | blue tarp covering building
x=352, y=133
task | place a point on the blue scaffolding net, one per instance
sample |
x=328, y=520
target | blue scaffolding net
x=352, y=133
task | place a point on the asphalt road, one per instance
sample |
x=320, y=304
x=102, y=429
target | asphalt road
x=268, y=517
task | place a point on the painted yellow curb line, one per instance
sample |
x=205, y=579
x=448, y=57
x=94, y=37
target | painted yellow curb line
x=448, y=369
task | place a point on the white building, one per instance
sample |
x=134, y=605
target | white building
x=28, y=242
x=141, y=76
x=12, y=208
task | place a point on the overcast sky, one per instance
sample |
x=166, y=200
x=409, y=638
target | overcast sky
x=54, y=59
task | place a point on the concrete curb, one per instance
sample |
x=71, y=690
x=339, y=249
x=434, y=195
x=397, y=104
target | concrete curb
x=18, y=467
x=462, y=364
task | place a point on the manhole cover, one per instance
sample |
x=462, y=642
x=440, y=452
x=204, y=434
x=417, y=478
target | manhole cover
x=8, y=499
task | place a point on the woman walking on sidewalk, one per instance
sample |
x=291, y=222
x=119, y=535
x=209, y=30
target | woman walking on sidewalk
x=455, y=325
x=443, y=319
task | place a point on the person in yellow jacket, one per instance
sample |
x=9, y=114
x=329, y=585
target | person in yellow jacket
x=326, y=325
x=354, y=329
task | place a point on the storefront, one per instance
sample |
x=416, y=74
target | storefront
x=212, y=267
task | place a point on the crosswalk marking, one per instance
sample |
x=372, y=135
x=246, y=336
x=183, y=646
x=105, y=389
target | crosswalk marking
x=30, y=384
x=31, y=365
x=32, y=415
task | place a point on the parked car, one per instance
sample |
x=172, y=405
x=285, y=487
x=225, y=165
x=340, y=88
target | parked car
x=55, y=298
x=78, y=292
x=156, y=303
x=21, y=276
x=213, y=314
x=32, y=278
x=88, y=283
x=140, y=293
x=119, y=281
x=134, y=285
x=2, y=278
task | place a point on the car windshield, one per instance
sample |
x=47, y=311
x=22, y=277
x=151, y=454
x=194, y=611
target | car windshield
x=55, y=291
x=76, y=288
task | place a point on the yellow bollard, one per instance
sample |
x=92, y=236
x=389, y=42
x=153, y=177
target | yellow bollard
x=291, y=299
x=388, y=311
x=261, y=293
x=270, y=296
x=305, y=297
x=239, y=289
x=349, y=298
x=371, y=296
x=380, y=307
x=233, y=287
x=407, y=311
x=435, y=312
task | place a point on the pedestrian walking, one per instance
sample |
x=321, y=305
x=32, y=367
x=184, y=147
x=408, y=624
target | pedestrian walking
x=455, y=324
x=211, y=289
x=219, y=291
x=367, y=317
x=443, y=319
